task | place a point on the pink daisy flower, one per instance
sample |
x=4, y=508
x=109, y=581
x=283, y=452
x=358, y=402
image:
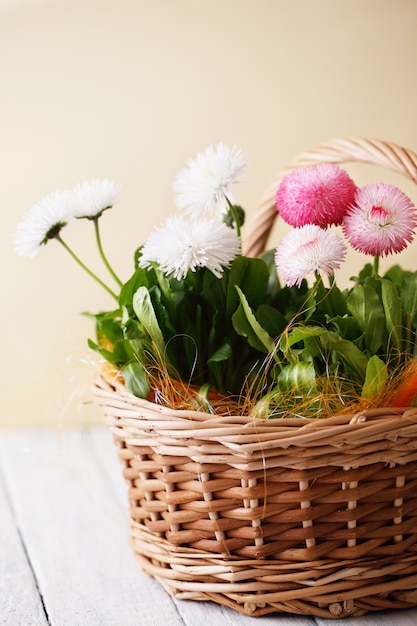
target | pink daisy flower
x=381, y=221
x=320, y=194
x=307, y=249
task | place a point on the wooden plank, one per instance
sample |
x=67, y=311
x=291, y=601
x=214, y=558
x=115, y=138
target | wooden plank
x=20, y=601
x=76, y=534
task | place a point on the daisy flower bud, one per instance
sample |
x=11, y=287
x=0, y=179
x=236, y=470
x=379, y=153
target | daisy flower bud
x=203, y=187
x=308, y=249
x=381, y=221
x=93, y=197
x=43, y=222
x=180, y=245
x=320, y=194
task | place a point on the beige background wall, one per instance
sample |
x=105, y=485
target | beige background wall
x=129, y=89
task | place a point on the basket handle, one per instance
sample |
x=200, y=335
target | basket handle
x=350, y=149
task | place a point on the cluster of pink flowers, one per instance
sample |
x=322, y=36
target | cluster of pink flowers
x=377, y=219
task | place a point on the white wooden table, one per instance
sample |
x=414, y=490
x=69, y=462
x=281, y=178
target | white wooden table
x=65, y=556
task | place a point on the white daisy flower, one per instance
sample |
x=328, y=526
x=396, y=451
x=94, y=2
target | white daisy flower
x=180, y=245
x=93, y=197
x=43, y=221
x=308, y=249
x=204, y=185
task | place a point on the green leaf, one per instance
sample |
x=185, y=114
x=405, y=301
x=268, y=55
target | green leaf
x=271, y=320
x=133, y=329
x=170, y=295
x=123, y=350
x=365, y=306
x=396, y=274
x=301, y=344
x=142, y=305
x=222, y=354
x=365, y=273
x=408, y=295
x=214, y=290
x=299, y=334
x=252, y=277
x=106, y=354
x=246, y=324
x=274, y=286
x=299, y=378
x=108, y=330
x=220, y=365
x=331, y=301
x=393, y=313
x=354, y=359
x=140, y=278
x=161, y=306
x=295, y=302
x=375, y=378
x=136, y=379
x=137, y=255
x=347, y=327
x=126, y=349
x=243, y=327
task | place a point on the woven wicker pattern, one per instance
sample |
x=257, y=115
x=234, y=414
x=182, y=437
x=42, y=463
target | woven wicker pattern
x=305, y=516
x=311, y=517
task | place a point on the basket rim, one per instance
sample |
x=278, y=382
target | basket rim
x=106, y=385
x=356, y=438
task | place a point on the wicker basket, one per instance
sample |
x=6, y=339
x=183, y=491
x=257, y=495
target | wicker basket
x=310, y=517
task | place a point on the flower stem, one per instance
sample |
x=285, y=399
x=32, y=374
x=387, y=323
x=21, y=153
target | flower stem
x=376, y=265
x=85, y=268
x=103, y=256
x=234, y=216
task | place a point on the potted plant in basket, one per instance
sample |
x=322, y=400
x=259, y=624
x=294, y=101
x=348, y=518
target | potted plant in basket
x=232, y=383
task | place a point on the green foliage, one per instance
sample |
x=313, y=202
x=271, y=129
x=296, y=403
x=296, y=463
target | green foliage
x=375, y=378
x=244, y=332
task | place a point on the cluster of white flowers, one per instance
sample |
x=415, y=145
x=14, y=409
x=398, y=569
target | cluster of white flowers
x=45, y=220
x=201, y=239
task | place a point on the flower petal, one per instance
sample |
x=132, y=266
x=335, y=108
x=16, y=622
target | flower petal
x=203, y=187
x=381, y=221
x=93, y=197
x=308, y=249
x=320, y=194
x=43, y=222
x=180, y=245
